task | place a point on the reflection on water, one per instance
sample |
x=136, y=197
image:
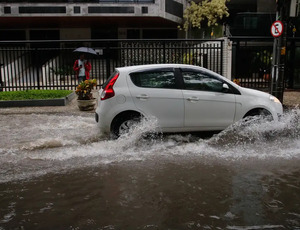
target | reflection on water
x=58, y=172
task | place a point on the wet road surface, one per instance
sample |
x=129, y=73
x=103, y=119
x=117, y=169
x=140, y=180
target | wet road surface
x=58, y=172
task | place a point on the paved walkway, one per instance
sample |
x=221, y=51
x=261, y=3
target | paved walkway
x=291, y=99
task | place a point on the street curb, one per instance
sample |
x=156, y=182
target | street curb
x=42, y=102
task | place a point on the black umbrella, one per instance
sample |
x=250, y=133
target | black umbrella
x=85, y=50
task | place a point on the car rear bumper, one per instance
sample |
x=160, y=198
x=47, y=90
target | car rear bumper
x=103, y=126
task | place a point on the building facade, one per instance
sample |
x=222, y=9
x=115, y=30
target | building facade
x=101, y=19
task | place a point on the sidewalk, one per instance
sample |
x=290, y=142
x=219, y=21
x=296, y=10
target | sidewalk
x=291, y=99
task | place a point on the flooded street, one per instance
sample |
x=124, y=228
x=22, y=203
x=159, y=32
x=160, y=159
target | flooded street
x=58, y=172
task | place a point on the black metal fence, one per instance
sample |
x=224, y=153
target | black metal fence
x=49, y=64
x=252, y=61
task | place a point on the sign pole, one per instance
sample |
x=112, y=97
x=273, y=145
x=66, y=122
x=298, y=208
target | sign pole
x=274, y=58
x=278, y=31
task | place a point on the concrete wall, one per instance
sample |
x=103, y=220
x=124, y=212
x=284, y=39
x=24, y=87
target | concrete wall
x=75, y=33
x=266, y=6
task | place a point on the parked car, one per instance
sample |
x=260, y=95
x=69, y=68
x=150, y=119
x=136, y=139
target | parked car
x=183, y=98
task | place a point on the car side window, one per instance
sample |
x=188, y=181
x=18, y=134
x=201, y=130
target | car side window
x=200, y=81
x=154, y=79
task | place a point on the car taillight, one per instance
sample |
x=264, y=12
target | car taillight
x=108, y=91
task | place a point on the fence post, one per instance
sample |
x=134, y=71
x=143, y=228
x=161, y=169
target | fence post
x=222, y=51
x=1, y=82
x=37, y=67
x=164, y=51
x=107, y=60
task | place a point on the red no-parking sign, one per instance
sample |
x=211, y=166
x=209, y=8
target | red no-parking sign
x=277, y=29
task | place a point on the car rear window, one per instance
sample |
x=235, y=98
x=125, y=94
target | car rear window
x=154, y=79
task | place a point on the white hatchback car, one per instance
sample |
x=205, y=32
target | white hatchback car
x=183, y=98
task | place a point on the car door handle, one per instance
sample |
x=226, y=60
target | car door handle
x=142, y=97
x=192, y=99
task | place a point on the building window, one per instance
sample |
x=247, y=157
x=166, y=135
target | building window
x=111, y=10
x=144, y=10
x=76, y=9
x=250, y=23
x=134, y=1
x=42, y=10
x=7, y=10
x=174, y=8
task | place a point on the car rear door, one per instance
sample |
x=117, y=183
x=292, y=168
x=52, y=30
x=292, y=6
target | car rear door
x=156, y=92
x=207, y=106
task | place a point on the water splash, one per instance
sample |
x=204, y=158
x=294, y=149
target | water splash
x=37, y=144
x=139, y=136
x=259, y=138
x=258, y=129
x=45, y=143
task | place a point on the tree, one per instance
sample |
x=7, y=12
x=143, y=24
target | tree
x=208, y=10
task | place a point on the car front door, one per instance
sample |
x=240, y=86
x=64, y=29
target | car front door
x=207, y=106
x=156, y=93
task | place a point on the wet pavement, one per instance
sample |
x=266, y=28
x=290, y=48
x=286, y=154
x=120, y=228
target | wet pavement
x=58, y=172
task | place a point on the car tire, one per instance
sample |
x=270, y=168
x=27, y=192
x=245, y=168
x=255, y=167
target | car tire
x=260, y=112
x=122, y=124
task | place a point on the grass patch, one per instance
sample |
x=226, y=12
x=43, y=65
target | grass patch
x=33, y=94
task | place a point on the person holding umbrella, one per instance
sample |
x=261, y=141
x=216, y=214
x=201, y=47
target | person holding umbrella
x=82, y=67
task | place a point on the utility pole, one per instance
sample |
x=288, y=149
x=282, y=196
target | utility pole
x=279, y=31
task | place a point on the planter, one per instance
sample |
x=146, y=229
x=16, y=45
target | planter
x=86, y=105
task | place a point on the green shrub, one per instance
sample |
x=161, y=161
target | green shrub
x=33, y=94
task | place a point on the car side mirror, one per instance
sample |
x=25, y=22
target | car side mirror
x=226, y=88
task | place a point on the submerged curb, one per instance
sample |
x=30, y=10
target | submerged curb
x=41, y=102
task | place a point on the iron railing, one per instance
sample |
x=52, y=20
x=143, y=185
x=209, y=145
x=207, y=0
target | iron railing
x=48, y=64
x=252, y=62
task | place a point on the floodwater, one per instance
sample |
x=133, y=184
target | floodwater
x=58, y=172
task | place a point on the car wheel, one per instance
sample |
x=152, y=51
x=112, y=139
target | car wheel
x=263, y=113
x=123, y=124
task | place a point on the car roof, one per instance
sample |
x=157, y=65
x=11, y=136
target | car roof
x=153, y=66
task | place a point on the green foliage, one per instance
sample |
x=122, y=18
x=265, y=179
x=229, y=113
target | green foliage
x=265, y=57
x=33, y=94
x=84, y=89
x=208, y=10
x=188, y=58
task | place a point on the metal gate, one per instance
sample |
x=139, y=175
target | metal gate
x=252, y=62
